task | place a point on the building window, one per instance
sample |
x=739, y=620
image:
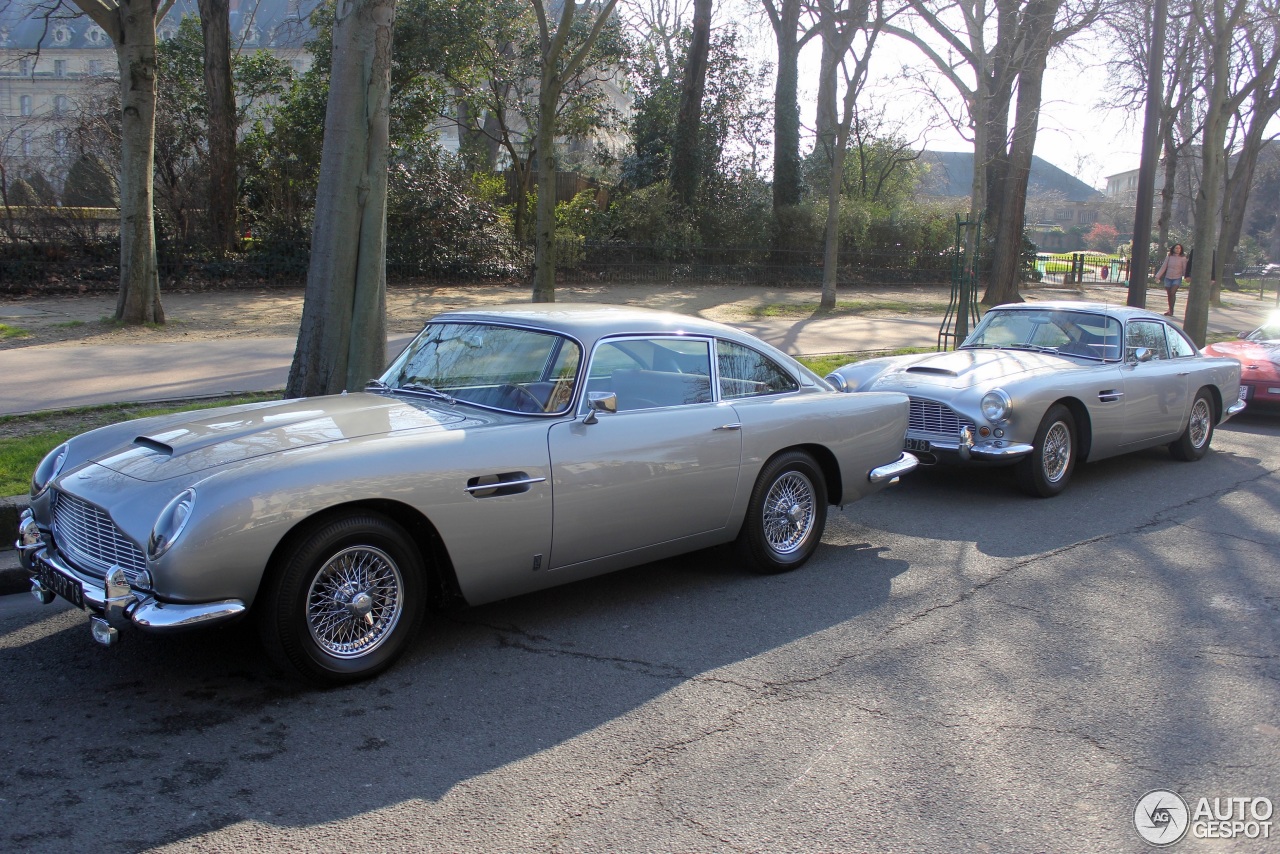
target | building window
x=60, y=141
x=24, y=67
x=62, y=34
x=25, y=105
x=26, y=143
x=59, y=68
x=60, y=104
x=95, y=67
x=96, y=35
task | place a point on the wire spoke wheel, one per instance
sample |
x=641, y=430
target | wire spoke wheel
x=788, y=512
x=1198, y=427
x=1056, y=453
x=355, y=602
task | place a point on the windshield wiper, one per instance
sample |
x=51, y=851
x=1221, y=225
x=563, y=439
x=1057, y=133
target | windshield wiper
x=1036, y=348
x=376, y=385
x=429, y=391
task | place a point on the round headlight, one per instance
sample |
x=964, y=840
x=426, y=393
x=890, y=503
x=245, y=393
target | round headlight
x=170, y=523
x=996, y=405
x=48, y=470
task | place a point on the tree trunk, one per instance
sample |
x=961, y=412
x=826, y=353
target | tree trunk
x=220, y=93
x=139, y=299
x=1167, y=192
x=343, y=339
x=786, y=109
x=1006, y=264
x=1140, y=256
x=685, y=168
x=544, y=236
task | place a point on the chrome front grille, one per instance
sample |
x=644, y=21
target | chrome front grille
x=930, y=419
x=87, y=535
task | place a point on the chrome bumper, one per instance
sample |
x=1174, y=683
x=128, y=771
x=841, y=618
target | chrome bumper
x=1234, y=409
x=988, y=449
x=905, y=464
x=114, y=603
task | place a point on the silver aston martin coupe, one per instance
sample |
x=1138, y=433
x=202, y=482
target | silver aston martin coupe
x=1043, y=386
x=504, y=451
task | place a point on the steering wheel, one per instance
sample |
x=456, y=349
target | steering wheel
x=522, y=400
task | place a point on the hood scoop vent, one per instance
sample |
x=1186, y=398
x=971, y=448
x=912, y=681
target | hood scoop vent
x=925, y=369
x=152, y=444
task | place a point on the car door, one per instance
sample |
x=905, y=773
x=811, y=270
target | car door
x=1155, y=391
x=663, y=467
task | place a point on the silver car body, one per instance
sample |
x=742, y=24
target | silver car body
x=503, y=502
x=1122, y=400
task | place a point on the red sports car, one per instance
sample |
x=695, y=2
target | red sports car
x=1259, y=356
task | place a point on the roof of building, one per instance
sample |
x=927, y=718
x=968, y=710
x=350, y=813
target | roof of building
x=26, y=25
x=950, y=175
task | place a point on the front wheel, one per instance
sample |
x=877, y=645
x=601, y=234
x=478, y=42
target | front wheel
x=786, y=516
x=1045, y=472
x=345, y=600
x=1194, y=441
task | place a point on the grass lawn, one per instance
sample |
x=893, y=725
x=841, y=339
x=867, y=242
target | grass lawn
x=7, y=331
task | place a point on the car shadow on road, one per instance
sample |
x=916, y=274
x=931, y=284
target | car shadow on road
x=193, y=733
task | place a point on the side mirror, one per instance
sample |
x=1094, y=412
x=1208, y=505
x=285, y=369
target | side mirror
x=600, y=401
x=1143, y=354
x=1242, y=334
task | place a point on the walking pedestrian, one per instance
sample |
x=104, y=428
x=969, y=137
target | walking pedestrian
x=1170, y=275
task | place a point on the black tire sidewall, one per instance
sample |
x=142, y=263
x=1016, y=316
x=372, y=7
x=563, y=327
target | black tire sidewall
x=284, y=618
x=752, y=547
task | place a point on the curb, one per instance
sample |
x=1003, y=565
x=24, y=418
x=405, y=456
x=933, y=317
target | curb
x=13, y=579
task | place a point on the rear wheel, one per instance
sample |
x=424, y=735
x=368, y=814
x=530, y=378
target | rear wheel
x=1194, y=441
x=786, y=516
x=345, y=601
x=1046, y=470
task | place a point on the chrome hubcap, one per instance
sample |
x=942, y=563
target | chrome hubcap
x=788, y=512
x=355, y=602
x=1199, y=424
x=1056, y=453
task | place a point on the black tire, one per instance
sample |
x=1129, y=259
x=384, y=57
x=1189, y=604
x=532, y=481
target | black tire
x=1194, y=441
x=1046, y=471
x=786, y=516
x=332, y=630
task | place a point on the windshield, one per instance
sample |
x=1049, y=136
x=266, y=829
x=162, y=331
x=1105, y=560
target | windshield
x=1269, y=333
x=1062, y=332
x=499, y=367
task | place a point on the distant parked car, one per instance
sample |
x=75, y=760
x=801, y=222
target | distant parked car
x=504, y=451
x=1044, y=386
x=1258, y=353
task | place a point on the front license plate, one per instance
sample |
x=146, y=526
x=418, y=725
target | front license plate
x=917, y=445
x=1244, y=392
x=52, y=580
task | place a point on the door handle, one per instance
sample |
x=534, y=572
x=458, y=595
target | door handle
x=1185, y=374
x=727, y=427
x=1110, y=395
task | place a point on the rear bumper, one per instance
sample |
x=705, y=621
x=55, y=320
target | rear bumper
x=905, y=464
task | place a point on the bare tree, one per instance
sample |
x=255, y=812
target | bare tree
x=840, y=24
x=131, y=25
x=1219, y=24
x=558, y=66
x=999, y=45
x=343, y=338
x=1262, y=53
x=790, y=37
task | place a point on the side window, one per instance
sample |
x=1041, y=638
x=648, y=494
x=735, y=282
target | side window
x=649, y=373
x=746, y=373
x=1179, y=346
x=1145, y=333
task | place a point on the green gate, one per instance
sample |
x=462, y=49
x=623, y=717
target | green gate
x=962, y=311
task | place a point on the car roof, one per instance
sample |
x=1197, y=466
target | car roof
x=589, y=321
x=1120, y=312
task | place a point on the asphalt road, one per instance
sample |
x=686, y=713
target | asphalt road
x=959, y=669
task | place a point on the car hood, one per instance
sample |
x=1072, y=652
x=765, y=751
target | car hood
x=215, y=438
x=961, y=369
